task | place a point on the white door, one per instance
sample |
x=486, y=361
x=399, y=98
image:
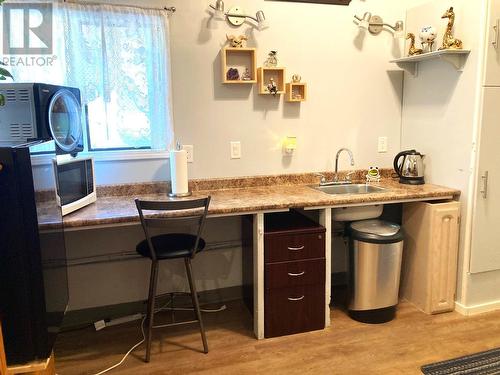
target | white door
x=485, y=254
x=492, y=68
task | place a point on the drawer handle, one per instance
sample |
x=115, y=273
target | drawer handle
x=296, y=299
x=297, y=274
x=296, y=248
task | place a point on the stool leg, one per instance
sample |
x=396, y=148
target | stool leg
x=196, y=304
x=151, y=307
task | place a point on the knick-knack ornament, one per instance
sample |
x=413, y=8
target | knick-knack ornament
x=237, y=41
x=450, y=42
x=233, y=74
x=427, y=36
x=272, y=60
x=272, y=87
x=413, y=50
x=246, y=75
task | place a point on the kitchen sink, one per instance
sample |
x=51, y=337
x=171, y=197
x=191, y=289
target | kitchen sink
x=349, y=189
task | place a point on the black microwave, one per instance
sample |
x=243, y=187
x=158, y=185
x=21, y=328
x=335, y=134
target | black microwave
x=75, y=182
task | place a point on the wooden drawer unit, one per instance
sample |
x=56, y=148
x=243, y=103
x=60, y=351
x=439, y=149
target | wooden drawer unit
x=298, y=273
x=294, y=256
x=294, y=246
x=294, y=309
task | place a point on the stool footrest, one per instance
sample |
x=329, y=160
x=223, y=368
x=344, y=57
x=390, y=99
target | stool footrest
x=176, y=324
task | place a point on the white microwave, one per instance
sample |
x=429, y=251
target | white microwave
x=75, y=182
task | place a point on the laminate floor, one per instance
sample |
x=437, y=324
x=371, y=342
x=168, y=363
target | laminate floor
x=347, y=347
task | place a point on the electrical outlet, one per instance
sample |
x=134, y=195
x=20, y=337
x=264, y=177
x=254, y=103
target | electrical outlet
x=382, y=144
x=236, y=150
x=190, y=152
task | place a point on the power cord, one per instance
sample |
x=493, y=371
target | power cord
x=164, y=307
x=128, y=353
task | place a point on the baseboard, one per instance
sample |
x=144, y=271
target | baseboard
x=76, y=319
x=477, y=309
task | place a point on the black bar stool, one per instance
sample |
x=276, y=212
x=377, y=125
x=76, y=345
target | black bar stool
x=172, y=246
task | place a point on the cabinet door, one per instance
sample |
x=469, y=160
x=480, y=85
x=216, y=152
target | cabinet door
x=430, y=253
x=492, y=68
x=485, y=254
x=444, y=252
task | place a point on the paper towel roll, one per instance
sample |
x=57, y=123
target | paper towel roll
x=179, y=171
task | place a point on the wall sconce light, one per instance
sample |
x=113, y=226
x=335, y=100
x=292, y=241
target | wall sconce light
x=236, y=15
x=219, y=10
x=375, y=25
x=289, y=145
x=364, y=23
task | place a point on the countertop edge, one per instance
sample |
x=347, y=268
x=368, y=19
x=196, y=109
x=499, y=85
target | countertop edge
x=326, y=202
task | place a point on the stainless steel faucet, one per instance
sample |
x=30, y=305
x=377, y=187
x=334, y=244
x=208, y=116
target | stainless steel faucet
x=351, y=157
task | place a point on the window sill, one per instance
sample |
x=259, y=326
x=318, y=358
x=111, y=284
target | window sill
x=105, y=156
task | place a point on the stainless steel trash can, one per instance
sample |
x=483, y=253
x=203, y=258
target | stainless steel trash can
x=375, y=253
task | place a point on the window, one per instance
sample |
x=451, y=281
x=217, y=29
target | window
x=118, y=58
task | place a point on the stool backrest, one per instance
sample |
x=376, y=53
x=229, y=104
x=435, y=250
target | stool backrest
x=165, y=213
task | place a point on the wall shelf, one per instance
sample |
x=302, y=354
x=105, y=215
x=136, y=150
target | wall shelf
x=241, y=59
x=457, y=58
x=296, y=88
x=265, y=74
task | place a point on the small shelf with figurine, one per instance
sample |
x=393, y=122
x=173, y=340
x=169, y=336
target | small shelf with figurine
x=296, y=91
x=450, y=51
x=271, y=80
x=239, y=64
x=455, y=57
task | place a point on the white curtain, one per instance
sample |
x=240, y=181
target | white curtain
x=119, y=58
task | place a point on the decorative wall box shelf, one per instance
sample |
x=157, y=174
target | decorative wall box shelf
x=264, y=76
x=241, y=59
x=296, y=92
x=456, y=58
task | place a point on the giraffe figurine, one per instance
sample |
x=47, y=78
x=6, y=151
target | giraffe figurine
x=413, y=50
x=449, y=42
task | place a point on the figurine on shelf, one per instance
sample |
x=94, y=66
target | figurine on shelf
x=233, y=74
x=296, y=78
x=272, y=87
x=246, y=75
x=272, y=60
x=427, y=37
x=237, y=41
x=413, y=50
x=449, y=42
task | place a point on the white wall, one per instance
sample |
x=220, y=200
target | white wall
x=101, y=278
x=440, y=108
x=354, y=97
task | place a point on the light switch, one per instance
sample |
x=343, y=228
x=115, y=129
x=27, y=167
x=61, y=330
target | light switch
x=382, y=144
x=236, y=150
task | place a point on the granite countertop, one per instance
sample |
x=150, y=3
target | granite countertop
x=116, y=205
